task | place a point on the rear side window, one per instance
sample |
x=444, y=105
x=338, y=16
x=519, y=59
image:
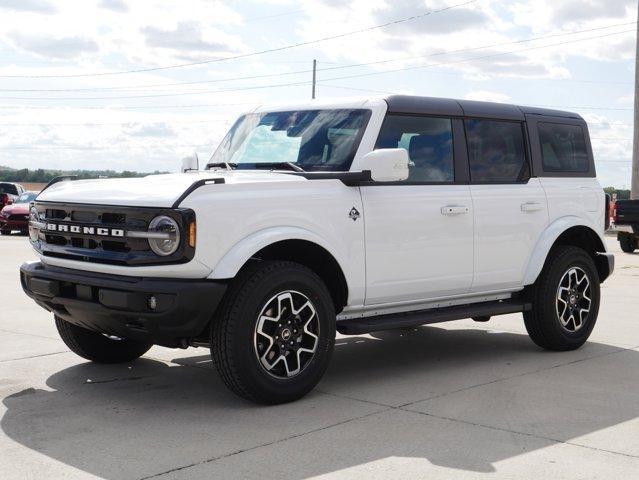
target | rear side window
x=563, y=148
x=429, y=143
x=9, y=188
x=496, y=151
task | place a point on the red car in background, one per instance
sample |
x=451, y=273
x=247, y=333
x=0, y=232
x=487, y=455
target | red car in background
x=16, y=215
x=9, y=192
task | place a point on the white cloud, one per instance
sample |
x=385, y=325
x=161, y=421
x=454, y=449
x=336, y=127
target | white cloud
x=627, y=100
x=159, y=129
x=115, y=5
x=571, y=11
x=455, y=20
x=48, y=46
x=487, y=96
x=39, y=6
x=189, y=39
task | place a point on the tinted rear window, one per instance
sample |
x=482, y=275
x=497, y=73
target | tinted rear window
x=563, y=148
x=8, y=188
x=496, y=151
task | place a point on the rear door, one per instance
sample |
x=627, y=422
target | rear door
x=510, y=207
x=419, y=233
x=563, y=159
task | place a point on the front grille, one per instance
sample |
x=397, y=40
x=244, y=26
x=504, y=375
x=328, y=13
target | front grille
x=18, y=217
x=98, y=233
x=96, y=217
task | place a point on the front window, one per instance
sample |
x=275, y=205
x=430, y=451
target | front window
x=429, y=143
x=312, y=140
x=26, y=197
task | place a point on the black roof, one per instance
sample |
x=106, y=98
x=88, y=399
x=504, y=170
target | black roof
x=467, y=108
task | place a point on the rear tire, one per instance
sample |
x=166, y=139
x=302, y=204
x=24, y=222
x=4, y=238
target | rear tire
x=565, y=300
x=97, y=347
x=273, y=335
x=5, y=232
x=628, y=243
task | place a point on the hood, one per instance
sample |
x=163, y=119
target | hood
x=16, y=208
x=151, y=191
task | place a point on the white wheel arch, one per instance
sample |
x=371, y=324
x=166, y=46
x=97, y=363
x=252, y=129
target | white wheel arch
x=548, y=239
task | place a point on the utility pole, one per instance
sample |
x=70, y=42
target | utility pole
x=634, y=188
x=315, y=78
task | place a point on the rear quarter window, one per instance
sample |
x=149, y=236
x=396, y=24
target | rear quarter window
x=563, y=148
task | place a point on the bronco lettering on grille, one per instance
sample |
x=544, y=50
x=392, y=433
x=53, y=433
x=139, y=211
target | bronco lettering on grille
x=104, y=232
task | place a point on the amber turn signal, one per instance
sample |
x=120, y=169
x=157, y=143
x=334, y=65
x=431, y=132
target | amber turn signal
x=192, y=234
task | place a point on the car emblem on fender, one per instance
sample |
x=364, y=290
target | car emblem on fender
x=354, y=214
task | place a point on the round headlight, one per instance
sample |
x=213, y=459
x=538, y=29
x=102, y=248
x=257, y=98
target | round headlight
x=34, y=217
x=169, y=240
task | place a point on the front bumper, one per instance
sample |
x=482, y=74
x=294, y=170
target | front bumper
x=606, y=265
x=119, y=305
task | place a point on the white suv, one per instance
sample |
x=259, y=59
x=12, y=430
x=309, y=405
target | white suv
x=354, y=216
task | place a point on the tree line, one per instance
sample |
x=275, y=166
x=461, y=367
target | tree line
x=44, y=176
x=621, y=194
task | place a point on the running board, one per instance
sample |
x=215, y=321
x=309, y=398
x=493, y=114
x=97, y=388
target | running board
x=357, y=326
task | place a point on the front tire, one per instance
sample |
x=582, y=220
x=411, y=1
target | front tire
x=5, y=231
x=565, y=300
x=97, y=347
x=273, y=336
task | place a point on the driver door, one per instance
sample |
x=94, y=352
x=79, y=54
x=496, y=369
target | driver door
x=419, y=232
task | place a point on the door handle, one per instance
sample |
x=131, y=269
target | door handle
x=454, y=210
x=531, y=207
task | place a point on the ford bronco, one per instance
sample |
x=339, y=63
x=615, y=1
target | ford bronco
x=352, y=216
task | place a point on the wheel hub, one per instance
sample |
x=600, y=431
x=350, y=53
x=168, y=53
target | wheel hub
x=286, y=334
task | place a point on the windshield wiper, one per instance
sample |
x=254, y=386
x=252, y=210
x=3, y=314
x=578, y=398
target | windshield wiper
x=228, y=166
x=282, y=165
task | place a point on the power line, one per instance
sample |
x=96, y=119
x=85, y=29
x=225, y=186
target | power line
x=97, y=124
x=251, y=54
x=540, y=106
x=156, y=95
x=200, y=92
x=354, y=65
x=101, y=147
x=124, y=107
x=483, y=57
x=386, y=92
x=276, y=15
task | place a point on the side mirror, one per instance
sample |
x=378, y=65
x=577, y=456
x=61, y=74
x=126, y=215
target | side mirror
x=190, y=163
x=386, y=164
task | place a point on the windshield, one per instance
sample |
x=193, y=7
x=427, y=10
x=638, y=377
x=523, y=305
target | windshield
x=26, y=197
x=313, y=140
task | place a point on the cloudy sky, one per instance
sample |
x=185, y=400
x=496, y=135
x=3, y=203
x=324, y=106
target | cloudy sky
x=138, y=85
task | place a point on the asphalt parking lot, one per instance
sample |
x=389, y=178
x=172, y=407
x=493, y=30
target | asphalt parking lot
x=458, y=400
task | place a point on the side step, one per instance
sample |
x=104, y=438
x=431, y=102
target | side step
x=357, y=326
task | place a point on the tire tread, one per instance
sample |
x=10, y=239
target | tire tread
x=224, y=325
x=541, y=323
